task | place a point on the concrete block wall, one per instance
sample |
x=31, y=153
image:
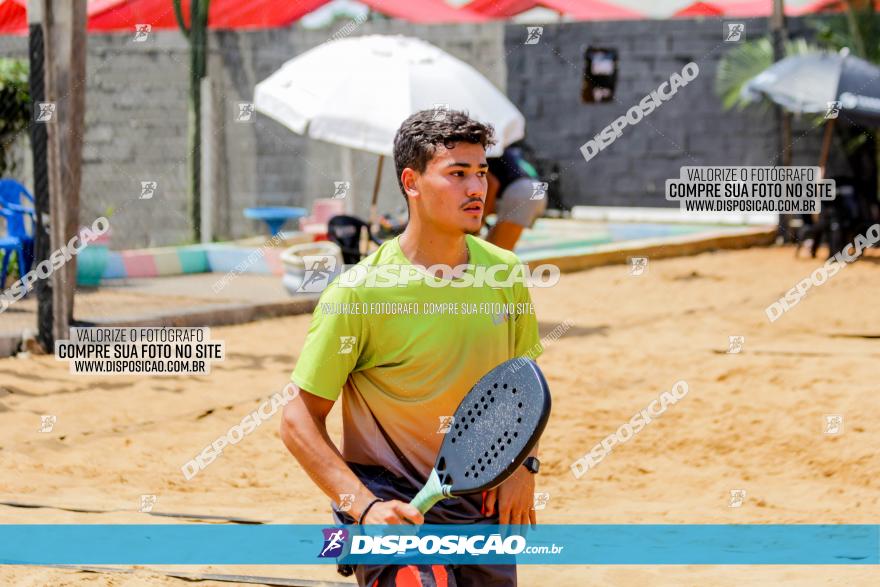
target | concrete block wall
x=136, y=128
x=544, y=81
x=136, y=119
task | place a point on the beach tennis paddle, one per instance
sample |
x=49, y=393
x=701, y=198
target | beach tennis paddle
x=495, y=427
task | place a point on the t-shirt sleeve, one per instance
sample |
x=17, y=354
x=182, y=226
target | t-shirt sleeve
x=334, y=345
x=527, y=342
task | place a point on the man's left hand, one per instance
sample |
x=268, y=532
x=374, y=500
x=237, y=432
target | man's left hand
x=514, y=499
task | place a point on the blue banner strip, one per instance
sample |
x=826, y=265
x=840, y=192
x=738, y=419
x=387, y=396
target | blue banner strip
x=625, y=544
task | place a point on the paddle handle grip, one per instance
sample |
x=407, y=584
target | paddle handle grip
x=431, y=493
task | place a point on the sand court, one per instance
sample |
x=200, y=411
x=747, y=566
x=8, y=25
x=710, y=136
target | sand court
x=752, y=420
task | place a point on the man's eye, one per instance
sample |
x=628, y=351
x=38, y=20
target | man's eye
x=481, y=173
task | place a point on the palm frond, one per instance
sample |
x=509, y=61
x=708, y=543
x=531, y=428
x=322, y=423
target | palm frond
x=859, y=32
x=744, y=62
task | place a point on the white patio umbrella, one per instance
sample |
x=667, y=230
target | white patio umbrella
x=356, y=92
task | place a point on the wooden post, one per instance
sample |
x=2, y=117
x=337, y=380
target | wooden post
x=781, y=117
x=65, y=42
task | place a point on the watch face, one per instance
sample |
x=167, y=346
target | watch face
x=532, y=464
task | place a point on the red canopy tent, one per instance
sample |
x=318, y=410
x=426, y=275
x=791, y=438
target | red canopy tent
x=13, y=17
x=424, y=11
x=578, y=9
x=236, y=14
x=747, y=8
x=828, y=6
x=699, y=9
x=116, y=15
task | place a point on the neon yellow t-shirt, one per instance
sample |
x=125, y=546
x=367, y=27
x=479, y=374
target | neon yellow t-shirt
x=405, y=356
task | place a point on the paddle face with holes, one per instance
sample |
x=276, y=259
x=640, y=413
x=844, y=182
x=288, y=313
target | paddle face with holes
x=495, y=427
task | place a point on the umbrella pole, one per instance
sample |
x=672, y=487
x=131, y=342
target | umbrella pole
x=376, y=184
x=826, y=147
x=785, y=235
x=826, y=151
x=365, y=241
x=347, y=175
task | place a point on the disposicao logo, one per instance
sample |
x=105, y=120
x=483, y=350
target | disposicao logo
x=432, y=544
x=334, y=542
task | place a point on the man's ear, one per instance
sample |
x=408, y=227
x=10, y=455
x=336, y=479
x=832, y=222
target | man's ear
x=408, y=178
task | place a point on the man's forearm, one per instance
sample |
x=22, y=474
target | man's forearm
x=307, y=440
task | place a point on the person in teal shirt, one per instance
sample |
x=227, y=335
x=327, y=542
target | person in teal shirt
x=516, y=196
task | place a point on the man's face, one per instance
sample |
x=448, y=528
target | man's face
x=451, y=193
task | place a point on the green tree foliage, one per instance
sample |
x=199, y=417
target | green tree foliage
x=15, y=108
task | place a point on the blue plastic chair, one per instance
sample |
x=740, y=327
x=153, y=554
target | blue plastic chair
x=17, y=237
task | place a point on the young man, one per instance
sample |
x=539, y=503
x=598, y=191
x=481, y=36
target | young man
x=402, y=371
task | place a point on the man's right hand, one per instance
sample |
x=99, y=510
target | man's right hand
x=394, y=512
x=304, y=433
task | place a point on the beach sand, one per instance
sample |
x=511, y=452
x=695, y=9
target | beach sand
x=752, y=420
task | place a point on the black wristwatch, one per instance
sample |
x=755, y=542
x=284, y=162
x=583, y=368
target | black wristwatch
x=532, y=464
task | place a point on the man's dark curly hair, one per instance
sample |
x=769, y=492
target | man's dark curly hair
x=417, y=138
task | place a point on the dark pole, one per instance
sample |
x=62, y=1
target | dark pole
x=42, y=240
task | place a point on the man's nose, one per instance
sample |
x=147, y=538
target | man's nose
x=477, y=187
